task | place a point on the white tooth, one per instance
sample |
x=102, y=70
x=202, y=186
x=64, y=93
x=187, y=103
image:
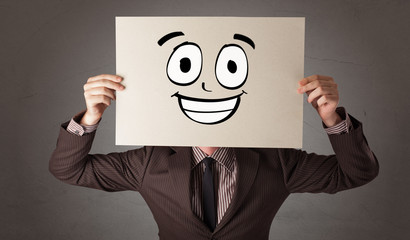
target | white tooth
x=208, y=117
x=208, y=106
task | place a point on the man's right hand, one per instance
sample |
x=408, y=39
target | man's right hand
x=98, y=93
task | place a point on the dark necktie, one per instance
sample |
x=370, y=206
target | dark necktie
x=208, y=194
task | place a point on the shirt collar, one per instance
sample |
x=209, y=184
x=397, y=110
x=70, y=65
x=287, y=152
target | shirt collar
x=222, y=155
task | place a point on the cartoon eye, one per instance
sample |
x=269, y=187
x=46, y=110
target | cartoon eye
x=231, y=67
x=185, y=64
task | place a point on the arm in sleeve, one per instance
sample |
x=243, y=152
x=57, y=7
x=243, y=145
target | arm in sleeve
x=345, y=126
x=76, y=128
x=72, y=164
x=353, y=164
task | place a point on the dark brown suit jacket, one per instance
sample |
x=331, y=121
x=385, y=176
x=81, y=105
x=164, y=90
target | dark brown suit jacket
x=266, y=177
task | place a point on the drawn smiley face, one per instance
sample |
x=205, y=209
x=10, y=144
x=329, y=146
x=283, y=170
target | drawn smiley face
x=184, y=68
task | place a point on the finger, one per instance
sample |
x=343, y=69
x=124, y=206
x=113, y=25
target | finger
x=319, y=91
x=93, y=101
x=111, y=77
x=319, y=77
x=327, y=100
x=303, y=82
x=104, y=83
x=100, y=91
x=313, y=85
x=312, y=78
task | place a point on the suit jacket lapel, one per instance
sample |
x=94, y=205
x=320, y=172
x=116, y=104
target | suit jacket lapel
x=248, y=162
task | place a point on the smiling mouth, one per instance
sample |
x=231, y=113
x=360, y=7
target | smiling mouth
x=209, y=111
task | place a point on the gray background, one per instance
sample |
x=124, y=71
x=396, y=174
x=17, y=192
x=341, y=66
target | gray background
x=50, y=48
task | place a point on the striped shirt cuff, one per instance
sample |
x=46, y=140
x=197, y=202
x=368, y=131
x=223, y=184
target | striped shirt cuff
x=345, y=126
x=76, y=128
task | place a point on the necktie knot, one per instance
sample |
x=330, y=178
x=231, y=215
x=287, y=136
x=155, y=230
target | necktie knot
x=208, y=162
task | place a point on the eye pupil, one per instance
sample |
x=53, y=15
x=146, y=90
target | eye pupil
x=232, y=66
x=185, y=65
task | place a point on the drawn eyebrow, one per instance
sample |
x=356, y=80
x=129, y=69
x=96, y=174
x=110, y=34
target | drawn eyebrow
x=169, y=36
x=245, y=39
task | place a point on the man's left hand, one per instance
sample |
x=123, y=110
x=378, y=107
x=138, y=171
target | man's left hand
x=323, y=95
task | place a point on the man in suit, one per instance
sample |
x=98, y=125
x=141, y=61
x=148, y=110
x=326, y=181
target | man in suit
x=249, y=185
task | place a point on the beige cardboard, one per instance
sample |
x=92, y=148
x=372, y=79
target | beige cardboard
x=270, y=113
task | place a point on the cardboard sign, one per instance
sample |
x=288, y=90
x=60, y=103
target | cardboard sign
x=210, y=81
